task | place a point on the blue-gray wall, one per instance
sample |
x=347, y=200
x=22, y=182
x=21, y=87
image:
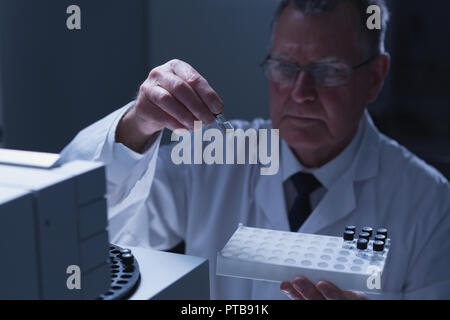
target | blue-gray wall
x=56, y=81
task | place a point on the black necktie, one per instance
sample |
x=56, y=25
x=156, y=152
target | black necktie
x=305, y=184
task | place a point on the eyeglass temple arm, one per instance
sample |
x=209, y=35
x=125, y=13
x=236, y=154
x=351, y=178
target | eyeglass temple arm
x=364, y=63
x=265, y=60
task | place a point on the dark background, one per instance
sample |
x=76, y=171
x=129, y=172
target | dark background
x=54, y=82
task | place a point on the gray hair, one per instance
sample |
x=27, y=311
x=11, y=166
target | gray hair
x=375, y=38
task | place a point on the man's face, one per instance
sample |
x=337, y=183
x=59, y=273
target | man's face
x=312, y=117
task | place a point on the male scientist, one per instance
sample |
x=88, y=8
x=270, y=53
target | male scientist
x=336, y=169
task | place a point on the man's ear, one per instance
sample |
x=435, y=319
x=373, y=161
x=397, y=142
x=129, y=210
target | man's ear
x=380, y=69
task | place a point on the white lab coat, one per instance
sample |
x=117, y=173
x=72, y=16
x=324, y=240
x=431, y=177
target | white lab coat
x=153, y=202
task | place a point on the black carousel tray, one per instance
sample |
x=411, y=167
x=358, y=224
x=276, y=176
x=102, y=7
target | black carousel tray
x=124, y=274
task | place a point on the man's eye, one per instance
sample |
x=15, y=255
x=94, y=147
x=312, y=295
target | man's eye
x=285, y=68
x=329, y=71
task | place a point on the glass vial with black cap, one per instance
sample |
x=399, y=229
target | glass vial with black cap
x=349, y=237
x=378, y=249
x=361, y=246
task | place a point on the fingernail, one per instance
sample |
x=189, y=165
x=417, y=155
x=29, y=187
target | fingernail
x=216, y=106
x=323, y=288
x=299, y=284
x=284, y=287
x=286, y=293
x=325, y=291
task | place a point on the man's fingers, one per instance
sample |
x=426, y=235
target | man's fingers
x=289, y=290
x=167, y=103
x=354, y=295
x=331, y=292
x=184, y=93
x=153, y=116
x=307, y=289
x=303, y=289
x=199, y=84
x=174, y=96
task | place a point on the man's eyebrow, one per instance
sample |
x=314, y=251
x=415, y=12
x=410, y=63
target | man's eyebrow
x=329, y=60
x=283, y=56
x=288, y=58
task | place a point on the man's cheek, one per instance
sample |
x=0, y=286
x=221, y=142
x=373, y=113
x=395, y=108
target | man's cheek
x=277, y=110
x=336, y=112
x=340, y=126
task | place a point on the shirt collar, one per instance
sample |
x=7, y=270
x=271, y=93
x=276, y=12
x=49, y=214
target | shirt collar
x=330, y=172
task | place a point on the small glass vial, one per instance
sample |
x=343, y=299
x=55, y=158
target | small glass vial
x=378, y=250
x=349, y=237
x=361, y=245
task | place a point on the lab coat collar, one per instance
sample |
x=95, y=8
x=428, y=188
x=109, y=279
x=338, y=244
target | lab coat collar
x=366, y=163
x=340, y=199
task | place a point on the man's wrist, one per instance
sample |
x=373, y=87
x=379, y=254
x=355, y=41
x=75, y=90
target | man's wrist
x=129, y=134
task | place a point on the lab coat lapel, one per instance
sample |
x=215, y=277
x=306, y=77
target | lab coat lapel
x=340, y=200
x=269, y=197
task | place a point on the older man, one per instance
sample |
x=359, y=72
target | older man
x=324, y=67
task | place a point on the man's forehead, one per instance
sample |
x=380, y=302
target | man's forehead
x=317, y=37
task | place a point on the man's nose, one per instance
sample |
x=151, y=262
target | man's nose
x=304, y=89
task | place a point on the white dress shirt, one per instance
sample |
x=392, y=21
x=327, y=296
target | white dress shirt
x=327, y=175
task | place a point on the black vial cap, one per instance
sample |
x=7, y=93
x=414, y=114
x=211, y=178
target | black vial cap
x=362, y=244
x=378, y=246
x=380, y=237
x=123, y=251
x=368, y=230
x=349, y=235
x=127, y=258
x=364, y=235
x=382, y=231
x=350, y=228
